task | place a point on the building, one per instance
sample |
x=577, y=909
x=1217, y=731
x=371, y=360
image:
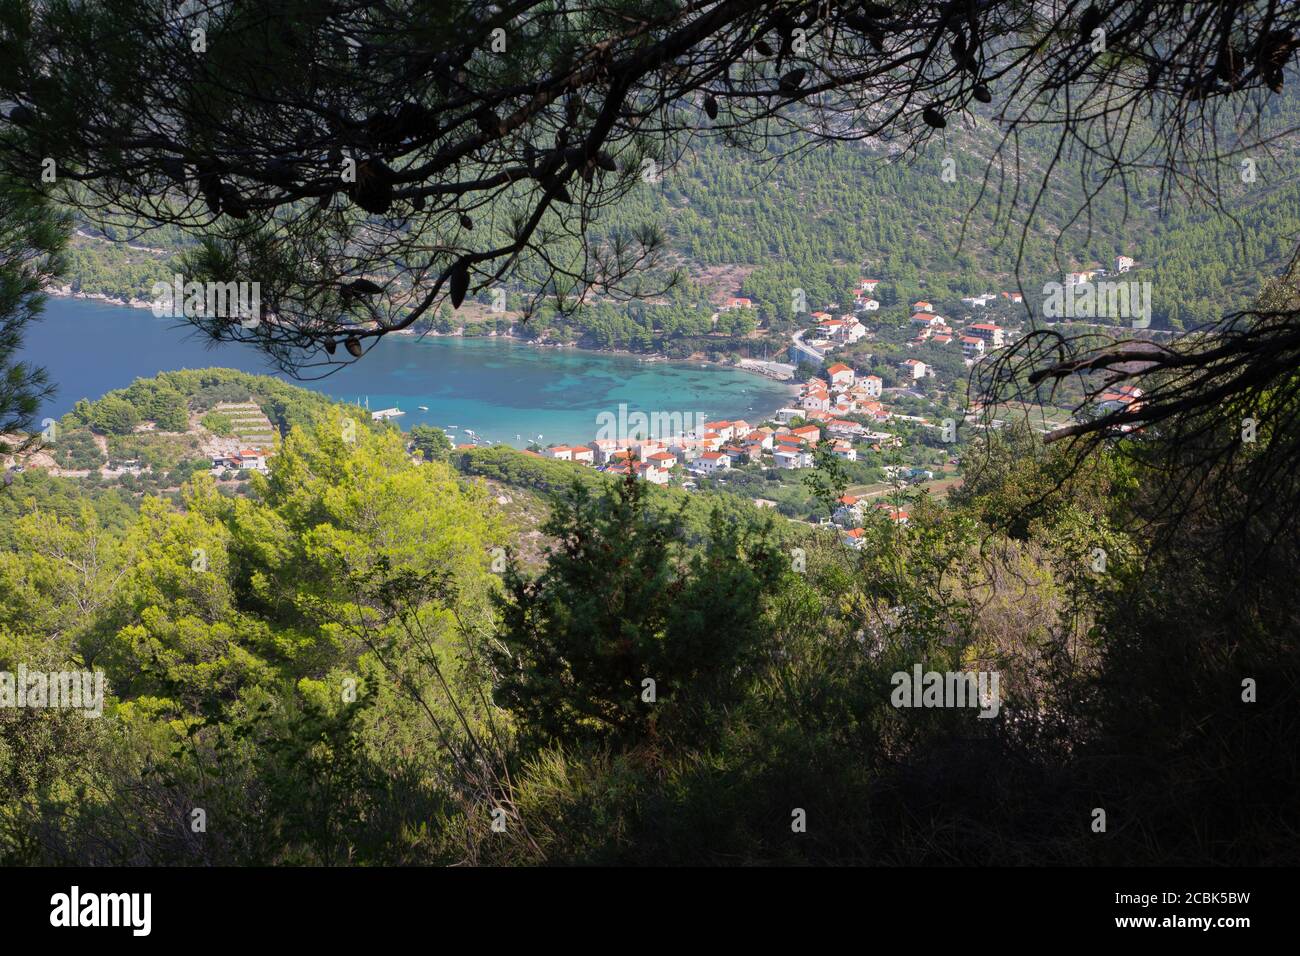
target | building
x=738, y=302
x=875, y=385
x=791, y=457
x=972, y=346
x=712, y=461
x=922, y=306
x=724, y=430
x=603, y=449
x=913, y=367
x=848, y=510
x=582, y=454
x=651, y=473
x=841, y=330
x=990, y=333
x=894, y=513
x=1119, y=397
x=840, y=374
x=853, y=538
x=559, y=452
x=1123, y=264
x=249, y=459
x=844, y=450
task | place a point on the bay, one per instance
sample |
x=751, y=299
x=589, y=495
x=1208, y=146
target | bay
x=504, y=391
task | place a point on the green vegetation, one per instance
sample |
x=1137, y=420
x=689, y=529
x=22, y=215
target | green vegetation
x=218, y=424
x=350, y=663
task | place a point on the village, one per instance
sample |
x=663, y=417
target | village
x=840, y=403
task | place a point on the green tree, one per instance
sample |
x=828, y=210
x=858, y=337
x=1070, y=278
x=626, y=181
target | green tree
x=620, y=604
x=113, y=415
x=32, y=238
x=430, y=442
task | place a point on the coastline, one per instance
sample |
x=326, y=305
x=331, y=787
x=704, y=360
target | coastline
x=65, y=292
x=631, y=365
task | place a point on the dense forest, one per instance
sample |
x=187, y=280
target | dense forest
x=360, y=670
x=818, y=220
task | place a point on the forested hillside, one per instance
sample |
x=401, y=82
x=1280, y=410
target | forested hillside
x=764, y=225
x=346, y=664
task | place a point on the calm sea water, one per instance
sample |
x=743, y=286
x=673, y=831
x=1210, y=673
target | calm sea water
x=504, y=392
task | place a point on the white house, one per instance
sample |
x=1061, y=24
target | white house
x=853, y=538
x=914, y=367
x=1123, y=264
x=712, y=461
x=840, y=374
x=790, y=457
x=875, y=384
x=990, y=333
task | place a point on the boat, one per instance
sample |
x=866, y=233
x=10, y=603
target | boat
x=423, y=408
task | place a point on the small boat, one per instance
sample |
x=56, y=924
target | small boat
x=423, y=408
x=469, y=431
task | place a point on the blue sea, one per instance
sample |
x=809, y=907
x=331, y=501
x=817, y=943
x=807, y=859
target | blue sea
x=504, y=391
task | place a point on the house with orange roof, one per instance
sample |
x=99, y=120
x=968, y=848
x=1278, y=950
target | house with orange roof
x=844, y=450
x=711, y=462
x=913, y=367
x=988, y=331
x=840, y=374
x=895, y=513
x=724, y=430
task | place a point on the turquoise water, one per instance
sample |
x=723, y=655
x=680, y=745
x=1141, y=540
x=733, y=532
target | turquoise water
x=505, y=392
